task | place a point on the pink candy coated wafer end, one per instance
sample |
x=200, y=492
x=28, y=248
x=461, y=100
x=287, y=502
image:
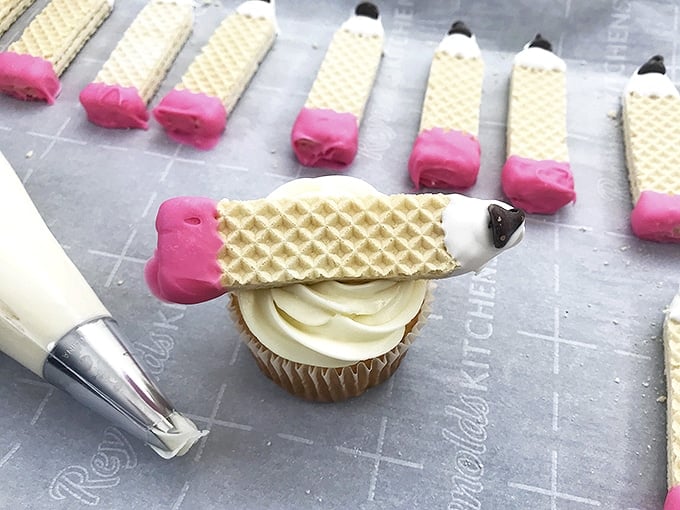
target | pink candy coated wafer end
x=113, y=106
x=444, y=159
x=28, y=78
x=656, y=217
x=673, y=499
x=325, y=138
x=184, y=267
x=538, y=186
x=192, y=119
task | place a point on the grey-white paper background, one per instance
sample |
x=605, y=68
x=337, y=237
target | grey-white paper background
x=533, y=386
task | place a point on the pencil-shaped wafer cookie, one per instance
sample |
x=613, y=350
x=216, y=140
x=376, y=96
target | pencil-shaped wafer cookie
x=195, y=111
x=446, y=152
x=10, y=10
x=206, y=248
x=537, y=176
x=671, y=340
x=326, y=132
x=118, y=96
x=651, y=127
x=31, y=66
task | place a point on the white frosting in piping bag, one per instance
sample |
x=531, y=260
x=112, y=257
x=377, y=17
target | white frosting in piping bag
x=460, y=45
x=42, y=295
x=538, y=58
x=651, y=84
x=467, y=235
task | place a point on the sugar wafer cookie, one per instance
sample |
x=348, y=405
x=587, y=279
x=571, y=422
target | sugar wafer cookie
x=206, y=248
x=651, y=127
x=446, y=153
x=10, y=10
x=119, y=94
x=195, y=111
x=671, y=340
x=326, y=131
x=31, y=66
x=537, y=176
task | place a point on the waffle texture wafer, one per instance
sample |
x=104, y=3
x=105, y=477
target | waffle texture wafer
x=537, y=176
x=195, y=111
x=446, y=153
x=671, y=337
x=10, y=10
x=119, y=94
x=31, y=66
x=651, y=126
x=268, y=242
x=326, y=132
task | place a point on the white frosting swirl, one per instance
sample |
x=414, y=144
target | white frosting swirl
x=651, y=84
x=363, y=25
x=331, y=324
x=460, y=45
x=538, y=58
x=467, y=235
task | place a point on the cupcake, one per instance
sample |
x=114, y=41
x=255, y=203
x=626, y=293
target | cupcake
x=331, y=340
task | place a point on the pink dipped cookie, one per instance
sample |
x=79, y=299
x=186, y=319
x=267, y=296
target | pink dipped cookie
x=206, y=248
x=651, y=127
x=326, y=131
x=671, y=341
x=119, y=94
x=446, y=153
x=195, y=111
x=31, y=66
x=537, y=176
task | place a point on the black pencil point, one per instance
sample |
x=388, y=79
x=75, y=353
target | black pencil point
x=367, y=9
x=653, y=65
x=540, y=42
x=459, y=27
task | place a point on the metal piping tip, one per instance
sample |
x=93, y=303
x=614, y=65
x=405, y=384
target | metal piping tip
x=92, y=364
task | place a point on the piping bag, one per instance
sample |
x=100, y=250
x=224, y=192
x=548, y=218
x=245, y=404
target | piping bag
x=52, y=322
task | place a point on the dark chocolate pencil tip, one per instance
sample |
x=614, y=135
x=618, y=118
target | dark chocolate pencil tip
x=540, y=42
x=459, y=27
x=503, y=223
x=653, y=65
x=367, y=9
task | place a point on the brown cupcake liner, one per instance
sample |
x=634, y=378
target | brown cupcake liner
x=324, y=384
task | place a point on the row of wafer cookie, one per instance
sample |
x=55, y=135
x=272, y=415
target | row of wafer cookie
x=536, y=176
x=446, y=153
x=325, y=132
x=194, y=111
